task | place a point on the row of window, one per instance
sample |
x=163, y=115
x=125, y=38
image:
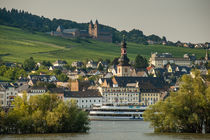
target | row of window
x=154, y=99
x=151, y=94
x=119, y=94
x=121, y=90
x=129, y=99
x=11, y=93
x=90, y=101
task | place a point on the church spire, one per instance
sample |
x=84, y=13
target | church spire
x=207, y=55
x=123, y=60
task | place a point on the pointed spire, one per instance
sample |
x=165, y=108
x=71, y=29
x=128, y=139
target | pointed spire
x=59, y=29
x=123, y=43
x=207, y=55
x=96, y=22
x=91, y=22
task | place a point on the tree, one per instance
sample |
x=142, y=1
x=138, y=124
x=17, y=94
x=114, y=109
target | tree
x=29, y=64
x=46, y=63
x=43, y=114
x=62, y=77
x=187, y=110
x=140, y=62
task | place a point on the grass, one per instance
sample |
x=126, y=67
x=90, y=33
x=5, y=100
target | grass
x=16, y=45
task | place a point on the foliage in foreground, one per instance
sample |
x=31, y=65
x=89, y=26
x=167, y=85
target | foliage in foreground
x=185, y=111
x=43, y=114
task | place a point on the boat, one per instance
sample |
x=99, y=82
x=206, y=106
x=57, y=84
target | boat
x=116, y=112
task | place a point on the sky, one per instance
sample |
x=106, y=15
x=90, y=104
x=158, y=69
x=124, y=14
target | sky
x=184, y=20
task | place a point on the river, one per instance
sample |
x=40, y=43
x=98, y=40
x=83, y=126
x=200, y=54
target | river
x=112, y=130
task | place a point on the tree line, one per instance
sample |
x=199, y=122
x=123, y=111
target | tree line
x=42, y=114
x=33, y=23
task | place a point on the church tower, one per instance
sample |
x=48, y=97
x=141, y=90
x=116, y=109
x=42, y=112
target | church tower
x=207, y=55
x=90, y=28
x=96, y=29
x=123, y=68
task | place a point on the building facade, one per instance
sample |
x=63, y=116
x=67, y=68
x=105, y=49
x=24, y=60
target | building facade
x=160, y=60
x=84, y=99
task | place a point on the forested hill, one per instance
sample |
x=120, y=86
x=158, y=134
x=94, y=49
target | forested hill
x=30, y=22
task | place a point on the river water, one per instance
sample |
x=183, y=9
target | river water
x=112, y=130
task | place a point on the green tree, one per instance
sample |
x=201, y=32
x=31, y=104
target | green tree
x=62, y=77
x=29, y=64
x=184, y=111
x=140, y=62
x=43, y=114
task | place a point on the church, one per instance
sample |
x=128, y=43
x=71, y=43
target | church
x=94, y=31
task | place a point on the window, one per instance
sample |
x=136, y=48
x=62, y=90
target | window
x=94, y=101
x=82, y=100
x=126, y=70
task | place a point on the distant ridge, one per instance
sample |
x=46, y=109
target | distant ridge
x=30, y=22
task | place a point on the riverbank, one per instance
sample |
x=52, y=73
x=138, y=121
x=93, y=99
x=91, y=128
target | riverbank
x=112, y=130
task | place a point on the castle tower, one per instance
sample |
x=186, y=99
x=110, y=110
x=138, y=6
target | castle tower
x=123, y=68
x=90, y=31
x=207, y=55
x=96, y=29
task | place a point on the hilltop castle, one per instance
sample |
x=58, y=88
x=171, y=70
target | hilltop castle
x=95, y=31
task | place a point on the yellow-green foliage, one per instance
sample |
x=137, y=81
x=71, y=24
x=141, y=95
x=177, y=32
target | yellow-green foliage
x=184, y=111
x=43, y=114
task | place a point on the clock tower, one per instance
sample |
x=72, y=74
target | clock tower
x=123, y=68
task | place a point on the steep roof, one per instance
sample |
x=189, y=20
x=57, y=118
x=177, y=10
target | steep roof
x=83, y=94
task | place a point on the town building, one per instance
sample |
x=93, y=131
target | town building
x=77, y=64
x=84, y=99
x=159, y=60
x=7, y=94
x=59, y=63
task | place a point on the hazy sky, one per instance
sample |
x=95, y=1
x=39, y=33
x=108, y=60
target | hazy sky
x=184, y=20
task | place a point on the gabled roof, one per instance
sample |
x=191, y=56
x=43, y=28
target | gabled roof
x=82, y=94
x=70, y=30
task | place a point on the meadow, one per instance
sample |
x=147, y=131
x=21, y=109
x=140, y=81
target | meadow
x=16, y=45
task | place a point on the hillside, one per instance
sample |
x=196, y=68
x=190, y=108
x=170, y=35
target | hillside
x=27, y=21
x=16, y=45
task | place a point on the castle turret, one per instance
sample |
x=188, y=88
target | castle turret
x=123, y=68
x=96, y=29
x=90, y=28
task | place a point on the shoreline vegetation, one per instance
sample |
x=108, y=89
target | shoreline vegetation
x=42, y=114
x=185, y=111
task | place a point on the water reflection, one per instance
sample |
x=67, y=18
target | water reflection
x=112, y=130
